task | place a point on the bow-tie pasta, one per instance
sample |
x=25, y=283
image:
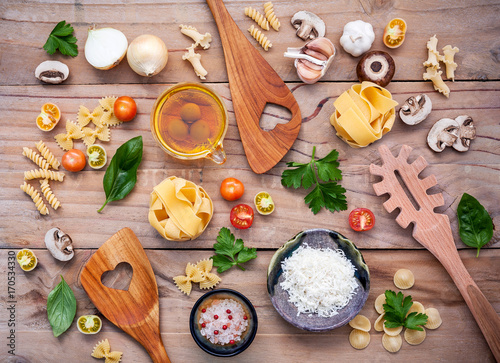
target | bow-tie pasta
x=179, y=209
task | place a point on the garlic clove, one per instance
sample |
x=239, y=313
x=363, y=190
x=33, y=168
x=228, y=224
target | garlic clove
x=323, y=46
x=105, y=47
x=315, y=54
x=306, y=74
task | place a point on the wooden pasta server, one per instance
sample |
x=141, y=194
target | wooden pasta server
x=432, y=230
x=135, y=311
x=253, y=84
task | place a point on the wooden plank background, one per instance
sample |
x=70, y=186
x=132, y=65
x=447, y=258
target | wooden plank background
x=24, y=27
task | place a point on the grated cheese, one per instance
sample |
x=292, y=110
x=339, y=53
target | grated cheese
x=318, y=281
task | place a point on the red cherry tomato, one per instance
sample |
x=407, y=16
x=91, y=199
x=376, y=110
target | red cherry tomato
x=125, y=108
x=361, y=219
x=231, y=189
x=241, y=216
x=73, y=160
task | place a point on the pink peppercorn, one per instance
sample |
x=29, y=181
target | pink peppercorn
x=216, y=317
x=228, y=311
x=231, y=342
x=203, y=325
x=216, y=332
x=230, y=317
x=203, y=310
x=245, y=317
x=224, y=327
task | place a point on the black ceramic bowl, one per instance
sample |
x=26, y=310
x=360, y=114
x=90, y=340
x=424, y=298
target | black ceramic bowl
x=317, y=238
x=227, y=350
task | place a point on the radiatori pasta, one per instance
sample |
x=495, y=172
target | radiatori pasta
x=35, y=196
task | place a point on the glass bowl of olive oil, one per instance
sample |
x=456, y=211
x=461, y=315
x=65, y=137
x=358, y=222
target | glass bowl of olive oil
x=189, y=121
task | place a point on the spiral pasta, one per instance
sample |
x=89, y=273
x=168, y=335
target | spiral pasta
x=43, y=174
x=49, y=196
x=257, y=17
x=47, y=155
x=35, y=196
x=271, y=16
x=34, y=157
x=260, y=37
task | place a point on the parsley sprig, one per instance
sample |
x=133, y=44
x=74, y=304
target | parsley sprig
x=230, y=252
x=396, y=308
x=328, y=194
x=62, y=38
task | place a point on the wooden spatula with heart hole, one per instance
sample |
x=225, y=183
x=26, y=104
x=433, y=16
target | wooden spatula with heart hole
x=134, y=311
x=433, y=231
x=253, y=83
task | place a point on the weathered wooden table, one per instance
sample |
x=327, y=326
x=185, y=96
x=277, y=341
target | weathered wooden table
x=24, y=27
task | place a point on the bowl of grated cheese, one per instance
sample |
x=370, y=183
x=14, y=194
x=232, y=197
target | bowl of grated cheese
x=318, y=280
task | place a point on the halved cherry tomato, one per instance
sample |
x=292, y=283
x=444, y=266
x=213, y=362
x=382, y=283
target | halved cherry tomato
x=394, y=33
x=97, y=156
x=264, y=203
x=125, y=108
x=26, y=259
x=361, y=219
x=241, y=216
x=73, y=160
x=231, y=189
x=89, y=324
x=49, y=117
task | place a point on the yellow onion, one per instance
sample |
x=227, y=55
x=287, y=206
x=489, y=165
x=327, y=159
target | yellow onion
x=105, y=47
x=147, y=55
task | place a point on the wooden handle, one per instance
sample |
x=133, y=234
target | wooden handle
x=156, y=350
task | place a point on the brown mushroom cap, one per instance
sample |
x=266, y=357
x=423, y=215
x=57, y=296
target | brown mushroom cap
x=377, y=67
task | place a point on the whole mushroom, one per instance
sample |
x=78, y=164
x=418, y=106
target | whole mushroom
x=466, y=133
x=443, y=133
x=415, y=109
x=59, y=244
x=377, y=67
x=308, y=25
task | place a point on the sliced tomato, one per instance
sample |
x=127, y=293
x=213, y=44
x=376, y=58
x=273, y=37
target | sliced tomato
x=27, y=259
x=241, y=216
x=97, y=156
x=394, y=33
x=264, y=203
x=361, y=219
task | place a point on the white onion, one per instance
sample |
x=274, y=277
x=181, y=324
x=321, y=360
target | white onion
x=105, y=47
x=147, y=55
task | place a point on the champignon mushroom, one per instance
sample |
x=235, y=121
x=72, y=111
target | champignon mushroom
x=415, y=109
x=466, y=133
x=443, y=133
x=59, y=244
x=54, y=72
x=377, y=67
x=308, y=25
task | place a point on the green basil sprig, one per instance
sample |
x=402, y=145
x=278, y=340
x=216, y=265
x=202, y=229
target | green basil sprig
x=61, y=308
x=475, y=224
x=121, y=175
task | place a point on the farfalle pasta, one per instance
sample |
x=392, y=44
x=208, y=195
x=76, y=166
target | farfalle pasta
x=363, y=114
x=84, y=116
x=209, y=279
x=103, y=350
x=90, y=135
x=73, y=131
x=184, y=283
x=179, y=209
x=108, y=118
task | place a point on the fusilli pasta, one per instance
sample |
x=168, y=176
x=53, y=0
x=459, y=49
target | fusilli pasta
x=271, y=16
x=49, y=196
x=260, y=37
x=34, y=157
x=35, y=196
x=47, y=155
x=257, y=17
x=43, y=174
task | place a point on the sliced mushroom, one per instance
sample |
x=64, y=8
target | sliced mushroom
x=377, y=67
x=466, y=133
x=443, y=133
x=308, y=25
x=52, y=72
x=415, y=109
x=59, y=244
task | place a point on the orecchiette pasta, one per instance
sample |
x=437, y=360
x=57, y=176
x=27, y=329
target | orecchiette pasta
x=49, y=196
x=449, y=61
x=34, y=157
x=271, y=16
x=73, y=131
x=47, y=154
x=103, y=350
x=260, y=37
x=35, y=196
x=101, y=133
x=257, y=17
x=43, y=174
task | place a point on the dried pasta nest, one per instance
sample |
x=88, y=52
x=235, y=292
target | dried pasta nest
x=379, y=323
x=404, y=279
x=393, y=331
x=359, y=339
x=414, y=337
x=379, y=303
x=392, y=343
x=416, y=307
x=361, y=322
x=434, y=318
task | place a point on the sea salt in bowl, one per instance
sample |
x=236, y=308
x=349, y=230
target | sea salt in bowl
x=231, y=315
x=318, y=239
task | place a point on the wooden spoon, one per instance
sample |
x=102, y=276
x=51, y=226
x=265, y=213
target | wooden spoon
x=433, y=231
x=134, y=311
x=253, y=83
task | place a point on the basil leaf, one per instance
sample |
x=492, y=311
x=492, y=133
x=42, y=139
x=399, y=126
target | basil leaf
x=61, y=308
x=121, y=175
x=475, y=224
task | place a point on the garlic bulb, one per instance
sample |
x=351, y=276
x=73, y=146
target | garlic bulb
x=105, y=47
x=147, y=55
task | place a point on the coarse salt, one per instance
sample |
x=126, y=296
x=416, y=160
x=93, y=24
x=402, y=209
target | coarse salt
x=224, y=320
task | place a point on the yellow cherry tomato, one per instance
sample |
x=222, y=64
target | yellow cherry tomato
x=49, y=117
x=264, y=203
x=26, y=259
x=97, y=156
x=394, y=33
x=89, y=324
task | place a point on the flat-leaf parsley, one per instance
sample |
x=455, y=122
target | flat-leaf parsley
x=396, y=308
x=230, y=252
x=62, y=38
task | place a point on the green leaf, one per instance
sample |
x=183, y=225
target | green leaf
x=61, y=308
x=415, y=319
x=293, y=177
x=333, y=194
x=328, y=167
x=226, y=250
x=222, y=263
x=315, y=200
x=121, y=175
x=62, y=38
x=247, y=254
x=226, y=243
x=396, y=307
x=475, y=224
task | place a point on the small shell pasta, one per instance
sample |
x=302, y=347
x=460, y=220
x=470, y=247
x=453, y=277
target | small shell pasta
x=361, y=322
x=434, y=320
x=257, y=17
x=404, y=279
x=43, y=174
x=36, y=197
x=49, y=195
x=34, y=157
x=271, y=16
x=260, y=37
x=414, y=337
x=47, y=155
x=379, y=323
x=392, y=343
x=359, y=339
x=379, y=303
